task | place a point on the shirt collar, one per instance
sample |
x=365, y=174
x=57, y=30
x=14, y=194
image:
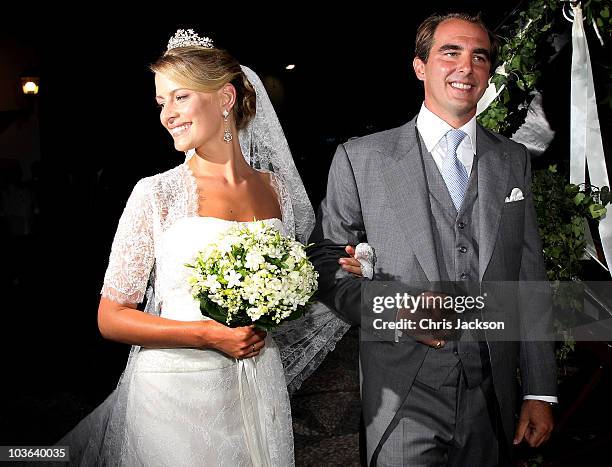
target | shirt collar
x=432, y=129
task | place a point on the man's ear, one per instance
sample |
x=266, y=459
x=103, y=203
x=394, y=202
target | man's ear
x=419, y=68
x=227, y=96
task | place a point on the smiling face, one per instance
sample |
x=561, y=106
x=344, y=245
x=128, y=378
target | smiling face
x=457, y=70
x=193, y=118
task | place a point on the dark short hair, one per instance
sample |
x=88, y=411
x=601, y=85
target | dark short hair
x=427, y=29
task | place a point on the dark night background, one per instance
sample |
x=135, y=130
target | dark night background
x=99, y=133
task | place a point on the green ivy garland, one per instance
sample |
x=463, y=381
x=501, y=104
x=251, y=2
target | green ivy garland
x=519, y=73
x=519, y=69
x=561, y=208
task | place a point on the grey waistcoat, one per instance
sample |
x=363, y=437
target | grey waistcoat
x=455, y=236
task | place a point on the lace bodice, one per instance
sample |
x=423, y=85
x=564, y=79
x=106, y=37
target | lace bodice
x=157, y=206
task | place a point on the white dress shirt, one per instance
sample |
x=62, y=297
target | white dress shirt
x=433, y=131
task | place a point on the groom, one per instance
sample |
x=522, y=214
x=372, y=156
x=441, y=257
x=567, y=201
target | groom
x=441, y=199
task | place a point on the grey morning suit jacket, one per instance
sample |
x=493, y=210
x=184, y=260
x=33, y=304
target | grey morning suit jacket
x=377, y=193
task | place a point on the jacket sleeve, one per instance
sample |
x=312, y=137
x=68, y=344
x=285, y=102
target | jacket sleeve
x=537, y=354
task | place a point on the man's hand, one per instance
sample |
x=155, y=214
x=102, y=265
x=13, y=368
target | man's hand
x=350, y=264
x=435, y=338
x=535, y=423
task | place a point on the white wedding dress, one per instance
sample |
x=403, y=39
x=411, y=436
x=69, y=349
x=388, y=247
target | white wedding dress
x=189, y=407
x=192, y=407
x=179, y=406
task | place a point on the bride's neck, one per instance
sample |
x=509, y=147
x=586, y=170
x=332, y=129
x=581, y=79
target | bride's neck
x=226, y=162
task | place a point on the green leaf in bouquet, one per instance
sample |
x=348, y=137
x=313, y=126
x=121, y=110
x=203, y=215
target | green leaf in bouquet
x=266, y=323
x=243, y=271
x=276, y=262
x=211, y=310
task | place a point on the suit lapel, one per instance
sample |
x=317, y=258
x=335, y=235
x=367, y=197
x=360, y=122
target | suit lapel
x=492, y=183
x=437, y=185
x=407, y=193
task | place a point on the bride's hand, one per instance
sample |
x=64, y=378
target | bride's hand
x=351, y=264
x=242, y=342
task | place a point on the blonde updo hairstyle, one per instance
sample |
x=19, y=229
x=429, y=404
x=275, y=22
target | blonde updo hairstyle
x=207, y=70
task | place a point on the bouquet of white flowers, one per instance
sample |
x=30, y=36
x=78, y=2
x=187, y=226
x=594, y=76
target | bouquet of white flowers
x=253, y=275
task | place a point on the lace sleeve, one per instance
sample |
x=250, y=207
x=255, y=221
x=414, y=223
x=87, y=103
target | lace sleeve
x=132, y=254
x=305, y=342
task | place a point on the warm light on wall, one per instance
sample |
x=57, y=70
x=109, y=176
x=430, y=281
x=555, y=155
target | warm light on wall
x=29, y=84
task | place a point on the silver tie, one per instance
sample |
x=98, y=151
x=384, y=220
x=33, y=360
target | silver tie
x=453, y=171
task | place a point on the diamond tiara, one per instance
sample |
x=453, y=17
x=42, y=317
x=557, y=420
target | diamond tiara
x=185, y=38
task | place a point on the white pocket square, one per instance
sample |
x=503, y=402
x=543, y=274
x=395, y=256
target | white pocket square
x=515, y=195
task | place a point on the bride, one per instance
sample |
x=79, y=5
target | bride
x=195, y=392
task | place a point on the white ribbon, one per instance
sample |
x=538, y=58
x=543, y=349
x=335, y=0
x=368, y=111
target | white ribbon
x=586, y=147
x=491, y=93
x=253, y=415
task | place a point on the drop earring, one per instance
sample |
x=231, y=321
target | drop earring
x=227, y=134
